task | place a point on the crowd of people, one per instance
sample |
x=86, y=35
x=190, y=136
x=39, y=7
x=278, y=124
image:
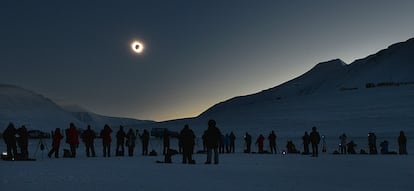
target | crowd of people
x=214, y=142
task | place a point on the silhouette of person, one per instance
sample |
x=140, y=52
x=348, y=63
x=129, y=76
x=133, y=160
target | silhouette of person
x=306, y=142
x=188, y=142
x=23, y=142
x=402, y=144
x=227, y=143
x=232, y=142
x=106, y=140
x=351, y=147
x=315, y=139
x=120, y=141
x=384, y=147
x=291, y=148
x=144, y=140
x=130, y=142
x=56, y=138
x=222, y=143
x=260, y=143
x=166, y=141
x=88, y=138
x=248, y=141
x=342, y=145
x=272, y=142
x=372, y=143
x=212, y=141
x=9, y=136
x=73, y=139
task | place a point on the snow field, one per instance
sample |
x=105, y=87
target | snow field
x=237, y=171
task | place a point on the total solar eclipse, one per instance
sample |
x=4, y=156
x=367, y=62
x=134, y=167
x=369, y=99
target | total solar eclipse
x=137, y=47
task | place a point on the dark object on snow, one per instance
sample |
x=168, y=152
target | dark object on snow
x=259, y=143
x=67, y=153
x=248, y=141
x=168, y=155
x=187, y=140
x=372, y=143
x=290, y=146
x=88, y=138
x=106, y=140
x=9, y=137
x=342, y=144
x=306, y=142
x=384, y=148
x=57, y=137
x=315, y=139
x=232, y=142
x=402, y=144
x=153, y=153
x=363, y=152
x=166, y=142
x=272, y=142
x=212, y=141
x=351, y=147
x=72, y=138
x=23, y=142
x=120, y=141
x=144, y=141
x=130, y=142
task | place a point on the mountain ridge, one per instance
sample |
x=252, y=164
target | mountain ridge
x=26, y=107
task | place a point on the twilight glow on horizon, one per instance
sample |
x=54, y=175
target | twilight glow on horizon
x=190, y=54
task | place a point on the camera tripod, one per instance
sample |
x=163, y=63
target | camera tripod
x=41, y=146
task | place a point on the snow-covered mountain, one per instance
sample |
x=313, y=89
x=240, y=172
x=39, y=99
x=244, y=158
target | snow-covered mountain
x=99, y=121
x=371, y=94
x=25, y=107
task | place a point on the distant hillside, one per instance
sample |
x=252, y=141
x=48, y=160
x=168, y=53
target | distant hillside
x=98, y=121
x=375, y=93
x=25, y=107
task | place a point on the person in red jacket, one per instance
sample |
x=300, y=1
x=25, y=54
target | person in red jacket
x=72, y=139
x=106, y=140
x=259, y=143
x=56, y=136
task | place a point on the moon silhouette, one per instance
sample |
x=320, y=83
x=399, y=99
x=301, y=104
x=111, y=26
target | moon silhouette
x=137, y=47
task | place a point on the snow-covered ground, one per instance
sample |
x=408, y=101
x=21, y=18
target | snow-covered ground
x=237, y=171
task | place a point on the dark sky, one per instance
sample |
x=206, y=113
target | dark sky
x=197, y=53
